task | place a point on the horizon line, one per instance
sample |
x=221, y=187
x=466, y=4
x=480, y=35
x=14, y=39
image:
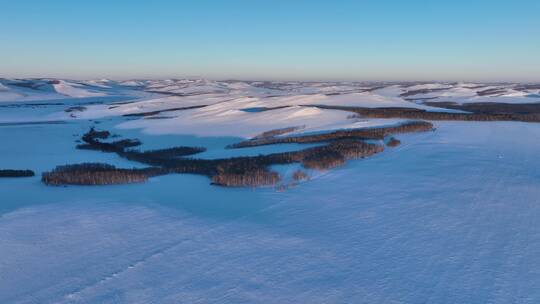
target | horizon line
x=194, y=77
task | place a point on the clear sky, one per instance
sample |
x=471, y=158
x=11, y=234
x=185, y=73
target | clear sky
x=326, y=40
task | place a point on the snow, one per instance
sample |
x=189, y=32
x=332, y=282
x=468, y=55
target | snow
x=429, y=86
x=468, y=93
x=225, y=115
x=218, y=121
x=448, y=217
x=72, y=90
x=45, y=89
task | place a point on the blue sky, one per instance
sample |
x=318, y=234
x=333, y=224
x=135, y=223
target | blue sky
x=326, y=40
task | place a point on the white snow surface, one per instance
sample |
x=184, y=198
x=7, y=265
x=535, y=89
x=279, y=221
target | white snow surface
x=475, y=93
x=23, y=90
x=448, y=217
x=236, y=108
x=12, y=90
x=218, y=121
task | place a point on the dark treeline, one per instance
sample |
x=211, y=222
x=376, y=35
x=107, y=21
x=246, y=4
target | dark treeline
x=494, y=91
x=168, y=153
x=16, y=173
x=254, y=170
x=339, y=147
x=393, y=142
x=531, y=86
x=336, y=153
x=263, y=109
x=277, y=132
x=75, y=109
x=115, y=146
x=151, y=113
x=323, y=157
x=411, y=113
x=235, y=171
x=96, y=174
x=92, y=142
x=421, y=91
x=363, y=133
x=93, y=135
x=257, y=177
x=490, y=107
x=300, y=175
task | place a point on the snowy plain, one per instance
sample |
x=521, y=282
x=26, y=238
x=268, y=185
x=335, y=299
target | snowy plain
x=449, y=216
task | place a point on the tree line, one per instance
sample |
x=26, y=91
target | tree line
x=377, y=133
x=339, y=146
x=96, y=174
x=411, y=113
x=16, y=173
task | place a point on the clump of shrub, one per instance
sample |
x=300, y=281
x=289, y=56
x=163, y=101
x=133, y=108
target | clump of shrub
x=93, y=135
x=258, y=177
x=393, y=142
x=92, y=142
x=282, y=187
x=277, y=132
x=421, y=91
x=494, y=91
x=151, y=113
x=490, y=107
x=115, y=146
x=75, y=109
x=96, y=174
x=262, y=109
x=410, y=113
x=362, y=133
x=300, y=175
x=16, y=173
x=336, y=153
x=169, y=153
x=325, y=161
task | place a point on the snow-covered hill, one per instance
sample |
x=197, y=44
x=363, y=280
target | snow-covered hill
x=241, y=108
x=42, y=89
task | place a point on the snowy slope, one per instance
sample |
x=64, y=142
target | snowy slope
x=235, y=108
x=34, y=89
x=231, y=108
x=467, y=93
x=76, y=90
x=215, y=121
x=22, y=90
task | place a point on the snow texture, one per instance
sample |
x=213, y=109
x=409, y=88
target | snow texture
x=449, y=216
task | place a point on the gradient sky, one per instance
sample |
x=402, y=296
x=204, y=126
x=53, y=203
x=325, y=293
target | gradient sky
x=313, y=40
